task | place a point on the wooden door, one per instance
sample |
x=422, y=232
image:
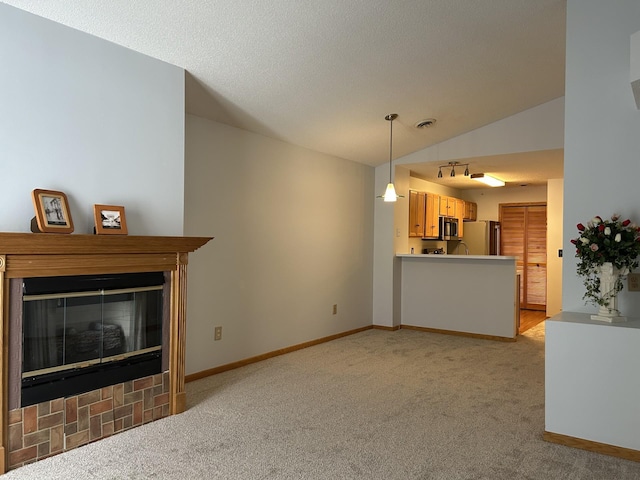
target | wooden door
x=524, y=235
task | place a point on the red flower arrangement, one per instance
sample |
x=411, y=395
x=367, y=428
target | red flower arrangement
x=606, y=241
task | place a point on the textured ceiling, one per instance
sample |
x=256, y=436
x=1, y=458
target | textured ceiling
x=323, y=75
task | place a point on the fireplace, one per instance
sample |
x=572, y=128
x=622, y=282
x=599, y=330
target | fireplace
x=83, y=299
x=80, y=333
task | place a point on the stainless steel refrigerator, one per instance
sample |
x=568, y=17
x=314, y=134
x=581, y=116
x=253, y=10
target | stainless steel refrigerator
x=482, y=238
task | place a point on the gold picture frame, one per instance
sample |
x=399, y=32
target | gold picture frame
x=52, y=212
x=109, y=220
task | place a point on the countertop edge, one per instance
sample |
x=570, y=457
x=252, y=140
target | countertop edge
x=585, y=319
x=455, y=257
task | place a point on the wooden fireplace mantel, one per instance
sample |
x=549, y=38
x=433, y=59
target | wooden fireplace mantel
x=51, y=254
x=55, y=243
x=25, y=255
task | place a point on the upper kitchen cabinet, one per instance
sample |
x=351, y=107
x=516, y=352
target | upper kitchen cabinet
x=416, y=213
x=447, y=206
x=425, y=210
x=432, y=215
x=470, y=211
x=423, y=214
x=460, y=204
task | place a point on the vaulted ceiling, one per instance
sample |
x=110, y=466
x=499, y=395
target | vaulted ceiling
x=323, y=74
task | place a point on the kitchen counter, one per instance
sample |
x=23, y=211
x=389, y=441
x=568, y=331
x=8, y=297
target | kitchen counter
x=470, y=294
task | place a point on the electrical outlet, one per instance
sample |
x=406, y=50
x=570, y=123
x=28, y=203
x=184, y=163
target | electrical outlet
x=633, y=282
x=217, y=333
x=335, y=309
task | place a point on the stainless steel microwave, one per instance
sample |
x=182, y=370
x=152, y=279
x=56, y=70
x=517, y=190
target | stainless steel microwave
x=448, y=228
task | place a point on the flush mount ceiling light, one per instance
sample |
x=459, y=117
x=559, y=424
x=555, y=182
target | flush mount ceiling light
x=487, y=180
x=390, y=193
x=452, y=166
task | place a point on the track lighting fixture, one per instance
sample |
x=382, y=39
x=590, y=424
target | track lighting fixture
x=452, y=166
x=480, y=177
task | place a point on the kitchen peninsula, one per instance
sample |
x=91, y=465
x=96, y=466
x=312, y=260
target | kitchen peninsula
x=464, y=294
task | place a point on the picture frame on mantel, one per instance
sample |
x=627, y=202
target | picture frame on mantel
x=109, y=220
x=52, y=212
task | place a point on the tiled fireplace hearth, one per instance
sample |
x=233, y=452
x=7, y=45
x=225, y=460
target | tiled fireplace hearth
x=52, y=427
x=145, y=382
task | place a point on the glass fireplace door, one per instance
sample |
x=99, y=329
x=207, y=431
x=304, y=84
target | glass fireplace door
x=74, y=330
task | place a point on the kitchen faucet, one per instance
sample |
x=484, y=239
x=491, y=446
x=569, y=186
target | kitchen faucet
x=466, y=248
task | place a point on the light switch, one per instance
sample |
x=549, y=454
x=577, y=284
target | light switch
x=633, y=282
x=397, y=232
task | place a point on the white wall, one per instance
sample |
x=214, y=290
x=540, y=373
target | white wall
x=293, y=236
x=602, y=124
x=100, y=122
x=105, y=124
x=384, y=238
x=539, y=128
x=591, y=370
x=425, y=186
x=489, y=199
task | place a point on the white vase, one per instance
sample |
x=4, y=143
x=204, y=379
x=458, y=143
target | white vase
x=608, y=278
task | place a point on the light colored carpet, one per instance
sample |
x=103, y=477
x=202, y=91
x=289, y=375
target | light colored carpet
x=375, y=405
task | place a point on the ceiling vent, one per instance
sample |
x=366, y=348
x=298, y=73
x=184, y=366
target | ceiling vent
x=426, y=123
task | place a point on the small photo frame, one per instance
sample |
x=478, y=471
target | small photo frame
x=52, y=212
x=109, y=220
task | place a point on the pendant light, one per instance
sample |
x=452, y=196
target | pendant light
x=390, y=194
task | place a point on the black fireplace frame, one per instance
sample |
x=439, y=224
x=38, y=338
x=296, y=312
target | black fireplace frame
x=74, y=381
x=80, y=380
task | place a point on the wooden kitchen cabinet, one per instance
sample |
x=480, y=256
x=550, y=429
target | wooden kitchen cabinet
x=416, y=213
x=431, y=228
x=443, y=207
x=470, y=211
x=425, y=210
x=447, y=206
x=460, y=204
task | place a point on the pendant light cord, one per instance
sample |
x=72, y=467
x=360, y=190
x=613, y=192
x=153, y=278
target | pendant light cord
x=390, y=147
x=391, y=117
